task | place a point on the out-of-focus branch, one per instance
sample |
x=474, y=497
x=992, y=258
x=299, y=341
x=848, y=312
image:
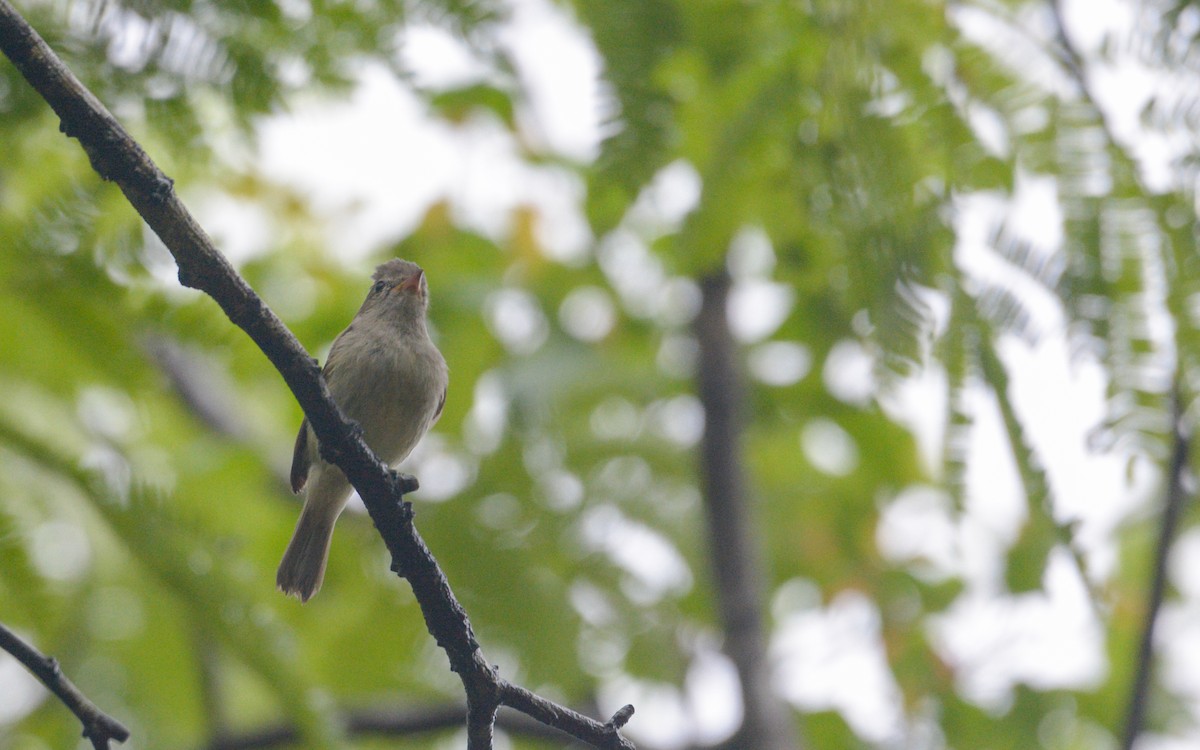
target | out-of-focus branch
x=387, y=724
x=733, y=544
x=206, y=391
x=98, y=727
x=200, y=386
x=1173, y=504
x=117, y=157
x=1030, y=473
x=212, y=693
x=1176, y=495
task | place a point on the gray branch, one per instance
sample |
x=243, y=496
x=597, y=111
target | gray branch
x=1176, y=497
x=98, y=727
x=733, y=544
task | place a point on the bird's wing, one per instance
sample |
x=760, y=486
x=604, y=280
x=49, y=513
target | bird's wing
x=300, y=458
x=438, y=412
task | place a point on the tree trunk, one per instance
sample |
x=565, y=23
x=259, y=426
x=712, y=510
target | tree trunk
x=734, y=545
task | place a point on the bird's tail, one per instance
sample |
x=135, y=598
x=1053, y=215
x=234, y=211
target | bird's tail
x=303, y=567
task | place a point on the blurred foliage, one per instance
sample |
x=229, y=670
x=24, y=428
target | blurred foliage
x=835, y=144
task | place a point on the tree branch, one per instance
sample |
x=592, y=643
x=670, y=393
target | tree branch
x=206, y=391
x=1176, y=495
x=117, y=157
x=1173, y=503
x=737, y=568
x=577, y=725
x=98, y=727
x=386, y=724
x=202, y=388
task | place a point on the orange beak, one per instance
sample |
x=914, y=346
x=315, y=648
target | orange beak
x=412, y=283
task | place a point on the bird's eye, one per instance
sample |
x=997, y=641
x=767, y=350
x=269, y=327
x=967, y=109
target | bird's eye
x=379, y=285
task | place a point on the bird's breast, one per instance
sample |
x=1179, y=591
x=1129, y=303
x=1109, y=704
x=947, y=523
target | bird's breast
x=395, y=395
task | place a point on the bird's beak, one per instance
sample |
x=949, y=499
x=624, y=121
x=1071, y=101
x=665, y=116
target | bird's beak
x=412, y=283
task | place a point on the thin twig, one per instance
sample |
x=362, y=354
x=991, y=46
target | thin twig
x=1173, y=504
x=577, y=725
x=117, y=157
x=98, y=727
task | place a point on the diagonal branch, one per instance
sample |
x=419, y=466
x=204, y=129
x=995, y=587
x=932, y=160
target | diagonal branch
x=1030, y=473
x=118, y=158
x=1176, y=496
x=98, y=727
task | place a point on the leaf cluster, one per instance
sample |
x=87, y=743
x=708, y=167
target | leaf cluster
x=833, y=144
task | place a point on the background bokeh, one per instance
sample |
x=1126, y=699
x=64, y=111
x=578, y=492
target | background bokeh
x=961, y=243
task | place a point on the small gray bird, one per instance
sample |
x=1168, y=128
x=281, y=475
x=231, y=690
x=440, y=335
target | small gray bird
x=386, y=375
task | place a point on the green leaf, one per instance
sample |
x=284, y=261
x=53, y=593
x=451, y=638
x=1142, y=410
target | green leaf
x=456, y=105
x=1027, y=558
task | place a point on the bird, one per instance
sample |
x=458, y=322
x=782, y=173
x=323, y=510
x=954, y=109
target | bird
x=386, y=375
